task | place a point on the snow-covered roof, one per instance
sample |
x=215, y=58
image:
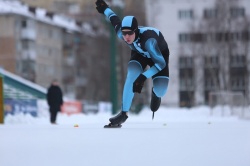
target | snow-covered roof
x=16, y=7
x=23, y=81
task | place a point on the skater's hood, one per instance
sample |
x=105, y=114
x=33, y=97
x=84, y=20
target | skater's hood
x=130, y=23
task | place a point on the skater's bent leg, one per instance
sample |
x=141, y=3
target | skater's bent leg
x=160, y=85
x=134, y=70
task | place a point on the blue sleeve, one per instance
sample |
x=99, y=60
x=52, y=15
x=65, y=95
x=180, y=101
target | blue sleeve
x=109, y=13
x=115, y=21
x=152, y=47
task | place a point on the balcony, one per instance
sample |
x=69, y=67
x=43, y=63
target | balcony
x=28, y=34
x=28, y=54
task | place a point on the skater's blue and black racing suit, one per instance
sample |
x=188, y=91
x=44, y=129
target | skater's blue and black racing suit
x=148, y=48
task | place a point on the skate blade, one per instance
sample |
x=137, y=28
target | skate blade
x=112, y=126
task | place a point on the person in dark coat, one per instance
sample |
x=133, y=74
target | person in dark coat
x=55, y=100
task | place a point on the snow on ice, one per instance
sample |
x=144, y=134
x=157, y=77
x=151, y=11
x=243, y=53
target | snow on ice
x=176, y=137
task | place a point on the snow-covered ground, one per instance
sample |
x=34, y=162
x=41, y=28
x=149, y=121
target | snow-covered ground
x=176, y=137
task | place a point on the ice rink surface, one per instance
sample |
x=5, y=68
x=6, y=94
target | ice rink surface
x=174, y=138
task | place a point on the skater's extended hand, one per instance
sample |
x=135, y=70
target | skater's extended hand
x=101, y=6
x=138, y=84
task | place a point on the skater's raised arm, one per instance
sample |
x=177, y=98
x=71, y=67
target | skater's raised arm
x=103, y=8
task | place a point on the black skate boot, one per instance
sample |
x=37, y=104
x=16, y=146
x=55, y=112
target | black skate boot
x=155, y=102
x=116, y=121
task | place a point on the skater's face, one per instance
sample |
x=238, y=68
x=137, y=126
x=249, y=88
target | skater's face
x=128, y=36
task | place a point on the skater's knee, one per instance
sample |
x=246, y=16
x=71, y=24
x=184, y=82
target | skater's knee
x=134, y=69
x=159, y=92
x=160, y=86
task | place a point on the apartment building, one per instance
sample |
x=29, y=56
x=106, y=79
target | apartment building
x=33, y=45
x=209, y=47
x=71, y=6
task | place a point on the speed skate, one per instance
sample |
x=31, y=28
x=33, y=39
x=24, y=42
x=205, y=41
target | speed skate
x=113, y=126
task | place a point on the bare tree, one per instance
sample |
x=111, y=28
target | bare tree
x=219, y=36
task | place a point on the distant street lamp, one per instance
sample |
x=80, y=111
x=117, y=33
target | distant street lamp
x=113, y=80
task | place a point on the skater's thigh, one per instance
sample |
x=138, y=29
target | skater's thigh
x=136, y=57
x=134, y=69
x=160, y=85
x=136, y=64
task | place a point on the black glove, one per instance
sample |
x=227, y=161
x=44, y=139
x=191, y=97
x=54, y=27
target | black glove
x=101, y=6
x=138, y=84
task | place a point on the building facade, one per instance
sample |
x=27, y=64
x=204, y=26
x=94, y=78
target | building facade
x=38, y=45
x=209, y=47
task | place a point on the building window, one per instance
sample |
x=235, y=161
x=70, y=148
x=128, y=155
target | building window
x=184, y=37
x=186, y=98
x=186, y=14
x=56, y=34
x=236, y=12
x=236, y=36
x=186, y=73
x=24, y=23
x=237, y=61
x=211, y=81
x=186, y=84
x=211, y=61
x=186, y=62
x=210, y=13
x=238, y=83
x=25, y=45
x=214, y=37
